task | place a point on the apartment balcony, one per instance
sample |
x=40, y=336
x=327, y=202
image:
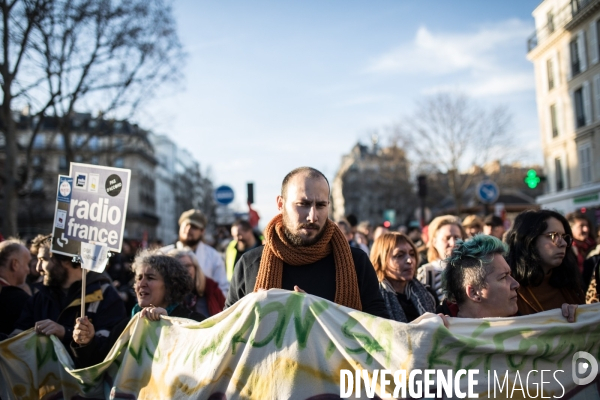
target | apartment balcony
x=567, y=18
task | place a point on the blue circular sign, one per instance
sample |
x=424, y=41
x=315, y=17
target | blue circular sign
x=224, y=195
x=487, y=191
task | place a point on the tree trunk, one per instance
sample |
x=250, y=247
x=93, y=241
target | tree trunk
x=10, y=207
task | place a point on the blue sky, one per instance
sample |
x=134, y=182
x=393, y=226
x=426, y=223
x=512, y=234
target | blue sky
x=270, y=86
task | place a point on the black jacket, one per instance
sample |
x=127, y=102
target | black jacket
x=96, y=351
x=317, y=279
x=12, y=302
x=104, y=306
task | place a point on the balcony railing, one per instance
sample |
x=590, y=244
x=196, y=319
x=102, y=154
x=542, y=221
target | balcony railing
x=559, y=20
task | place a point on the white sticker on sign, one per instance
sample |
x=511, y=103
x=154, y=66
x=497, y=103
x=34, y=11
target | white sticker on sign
x=94, y=256
x=61, y=217
x=94, y=180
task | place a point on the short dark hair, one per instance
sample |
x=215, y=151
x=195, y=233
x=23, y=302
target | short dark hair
x=571, y=217
x=178, y=282
x=468, y=265
x=34, y=246
x=344, y=226
x=245, y=225
x=524, y=259
x=311, y=172
x=46, y=242
x=352, y=220
x=493, y=221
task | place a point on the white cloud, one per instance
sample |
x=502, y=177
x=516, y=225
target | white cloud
x=496, y=84
x=444, y=53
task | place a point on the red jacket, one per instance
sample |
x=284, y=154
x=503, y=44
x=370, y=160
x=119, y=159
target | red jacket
x=214, y=297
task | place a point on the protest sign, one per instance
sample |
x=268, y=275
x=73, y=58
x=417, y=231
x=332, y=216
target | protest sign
x=93, y=210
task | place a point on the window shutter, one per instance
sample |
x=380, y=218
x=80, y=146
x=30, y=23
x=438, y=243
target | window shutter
x=555, y=62
x=587, y=103
x=544, y=69
x=582, y=50
x=573, y=108
x=593, y=43
x=567, y=53
x=560, y=126
x=597, y=95
x=548, y=117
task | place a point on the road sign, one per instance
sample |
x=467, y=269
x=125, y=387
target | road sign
x=224, y=195
x=487, y=191
x=91, y=207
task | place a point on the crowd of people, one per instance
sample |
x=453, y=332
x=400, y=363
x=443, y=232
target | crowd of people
x=469, y=268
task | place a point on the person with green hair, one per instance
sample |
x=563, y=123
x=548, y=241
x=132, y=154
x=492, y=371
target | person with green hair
x=478, y=282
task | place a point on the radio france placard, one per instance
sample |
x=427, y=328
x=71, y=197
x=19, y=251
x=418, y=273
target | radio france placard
x=94, y=211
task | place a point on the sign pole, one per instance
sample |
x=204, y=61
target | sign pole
x=83, y=285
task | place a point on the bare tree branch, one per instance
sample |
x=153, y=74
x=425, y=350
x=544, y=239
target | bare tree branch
x=450, y=133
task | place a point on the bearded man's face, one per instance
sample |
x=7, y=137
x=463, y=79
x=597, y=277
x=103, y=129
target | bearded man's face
x=305, y=209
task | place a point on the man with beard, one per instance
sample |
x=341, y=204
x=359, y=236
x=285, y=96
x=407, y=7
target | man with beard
x=53, y=310
x=14, y=267
x=244, y=239
x=306, y=252
x=191, y=232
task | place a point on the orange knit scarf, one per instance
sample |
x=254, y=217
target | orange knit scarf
x=278, y=250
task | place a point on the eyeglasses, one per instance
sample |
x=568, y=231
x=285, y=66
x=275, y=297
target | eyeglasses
x=555, y=235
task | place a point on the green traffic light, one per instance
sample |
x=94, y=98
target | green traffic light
x=532, y=180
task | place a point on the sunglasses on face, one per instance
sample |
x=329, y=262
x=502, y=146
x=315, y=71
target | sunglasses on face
x=555, y=235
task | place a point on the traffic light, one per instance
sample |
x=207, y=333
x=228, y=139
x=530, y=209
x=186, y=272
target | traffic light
x=422, y=185
x=250, y=193
x=532, y=179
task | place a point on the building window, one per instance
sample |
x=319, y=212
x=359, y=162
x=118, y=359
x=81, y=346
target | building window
x=79, y=140
x=94, y=160
x=553, y=120
x=93, y=143
x=575, y=62
x=560, y=183
x=118, y=163
x=579, y=109
x=597, y=36
x=550, y=72
x=550, y=25
x=62, y=163
x=39, y=142
x=59, y=141
x=585, y=163
x=37, y=185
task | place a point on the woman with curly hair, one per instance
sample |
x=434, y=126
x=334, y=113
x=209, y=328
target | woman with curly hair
x=395, y=259
x=542, y=261
x=161, y=284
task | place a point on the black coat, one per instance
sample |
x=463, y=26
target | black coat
x=104, y=307
x=12, y=301
x=96, y=351
x=317, y=278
